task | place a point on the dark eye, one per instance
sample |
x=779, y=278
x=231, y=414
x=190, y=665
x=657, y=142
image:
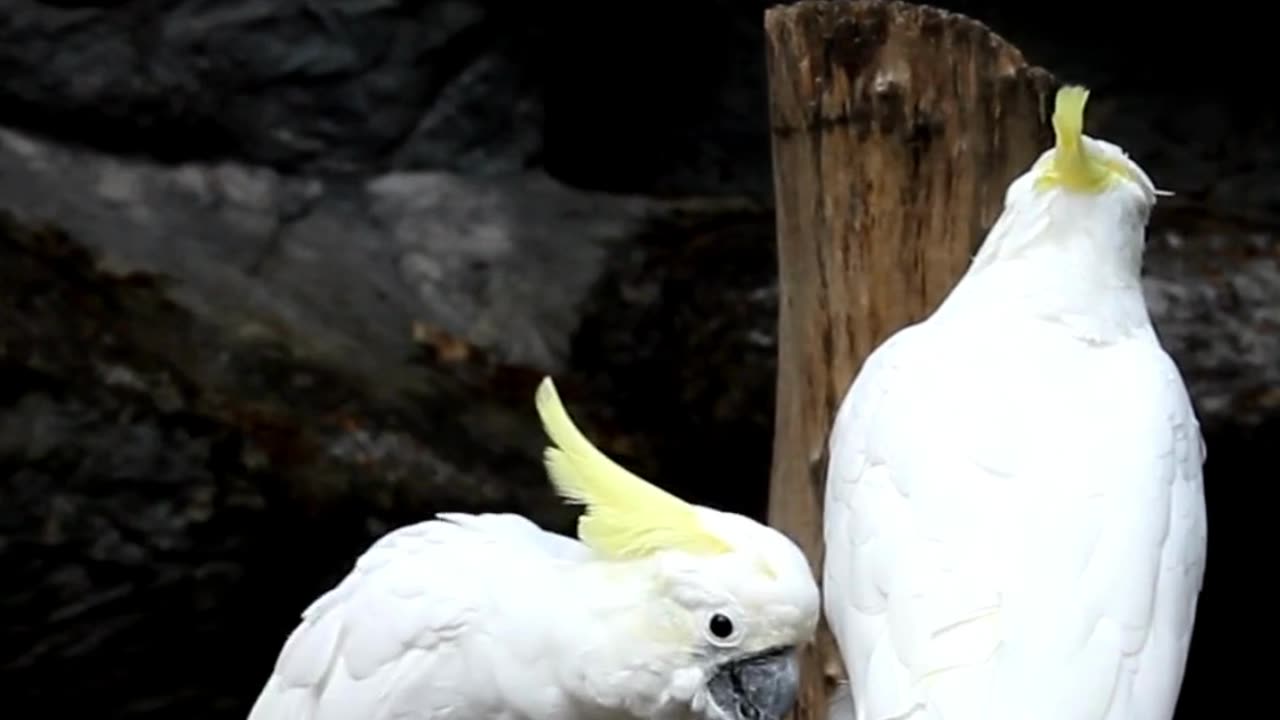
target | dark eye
x=720, y=626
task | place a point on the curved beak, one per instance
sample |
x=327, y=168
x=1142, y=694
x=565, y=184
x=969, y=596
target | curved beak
x=757, y=687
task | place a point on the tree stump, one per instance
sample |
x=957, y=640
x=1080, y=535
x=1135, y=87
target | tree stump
x=896, y=129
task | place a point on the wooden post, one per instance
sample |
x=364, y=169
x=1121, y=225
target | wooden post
x=896, y=129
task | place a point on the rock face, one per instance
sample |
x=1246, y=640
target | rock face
x=170, y=487
x=276, y=277
x=338, y=266
x=326, y=86
x=360, y=86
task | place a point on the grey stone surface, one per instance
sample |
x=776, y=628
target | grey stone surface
x=339, y=268
x=1215, y=297
x=506, y=263
x=663, y=96
x=318, y=84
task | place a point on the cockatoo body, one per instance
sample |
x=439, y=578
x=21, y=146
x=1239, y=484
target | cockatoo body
x=1014, y=517
x=662, y=609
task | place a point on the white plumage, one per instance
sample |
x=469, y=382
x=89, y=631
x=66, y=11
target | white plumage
x=426, y=626
x=1015, y=522
x=662, y=610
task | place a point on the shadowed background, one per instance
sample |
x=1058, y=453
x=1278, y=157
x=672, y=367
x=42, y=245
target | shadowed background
x=277, y=277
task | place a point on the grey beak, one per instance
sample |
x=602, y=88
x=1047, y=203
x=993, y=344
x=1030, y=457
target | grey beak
x=759, y=687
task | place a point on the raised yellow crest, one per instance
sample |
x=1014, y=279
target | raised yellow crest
x=1073, y=167
x=625, y=517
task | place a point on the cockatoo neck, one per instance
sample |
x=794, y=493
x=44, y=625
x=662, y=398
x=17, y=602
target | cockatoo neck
x=1070, y=258
x=628, y=665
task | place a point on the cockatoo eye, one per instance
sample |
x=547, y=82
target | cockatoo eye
x=721, y=626
x=721, y=629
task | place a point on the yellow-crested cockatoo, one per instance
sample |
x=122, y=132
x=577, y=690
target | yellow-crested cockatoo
x=1015, y=518
x=662, y=609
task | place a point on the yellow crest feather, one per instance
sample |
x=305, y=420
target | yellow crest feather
x=1073, y=167
x=626, y=517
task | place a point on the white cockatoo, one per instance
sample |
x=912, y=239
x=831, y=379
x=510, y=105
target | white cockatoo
x=1014, y=516
x=662, y=609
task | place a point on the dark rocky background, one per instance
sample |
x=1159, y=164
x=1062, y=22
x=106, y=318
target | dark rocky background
x=275, y=277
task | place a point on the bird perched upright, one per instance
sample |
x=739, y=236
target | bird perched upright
x=1014, y=516
x=662, y=609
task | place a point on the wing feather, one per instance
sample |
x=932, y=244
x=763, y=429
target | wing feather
x=398, y=637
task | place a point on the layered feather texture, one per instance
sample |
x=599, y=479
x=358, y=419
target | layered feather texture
x=1015, y=523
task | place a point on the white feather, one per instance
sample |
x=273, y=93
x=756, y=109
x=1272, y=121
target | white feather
x=1015, y=523
x=488, y=617
x=424, y=626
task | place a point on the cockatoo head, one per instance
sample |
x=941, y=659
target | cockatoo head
x=1082, y=191
x=741, y=614
x=1085, y=167
x=729, y=600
